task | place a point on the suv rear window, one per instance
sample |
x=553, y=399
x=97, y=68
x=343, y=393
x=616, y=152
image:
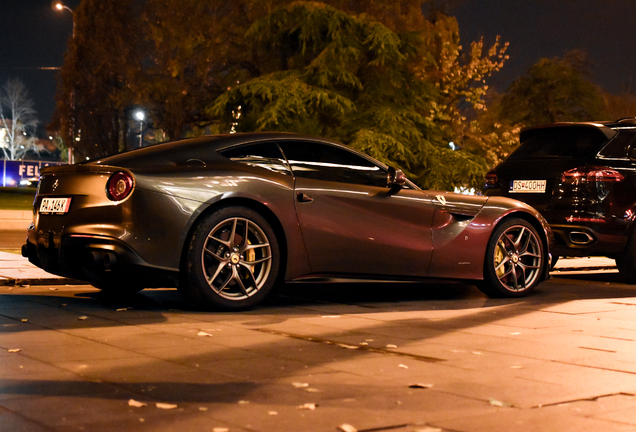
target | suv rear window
x=570, y=142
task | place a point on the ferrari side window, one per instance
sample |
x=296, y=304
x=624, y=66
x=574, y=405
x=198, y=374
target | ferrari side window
x=331, y=163
x=265, y=155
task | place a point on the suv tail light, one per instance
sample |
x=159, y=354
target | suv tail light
x=591, y=174
x=119, y=186
x=491, y=180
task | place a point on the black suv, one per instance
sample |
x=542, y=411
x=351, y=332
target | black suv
x=582, y=178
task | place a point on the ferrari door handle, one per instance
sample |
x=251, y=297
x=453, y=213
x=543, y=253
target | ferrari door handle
x=301, y=197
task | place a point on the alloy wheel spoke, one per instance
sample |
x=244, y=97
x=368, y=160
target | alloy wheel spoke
x=255, y=246
x=214, y=255
x=258, y=261
x=244, y=234
x=517, y=242
x=513, y=270
x=225, y=283
x=503, y=262
x=239, y=280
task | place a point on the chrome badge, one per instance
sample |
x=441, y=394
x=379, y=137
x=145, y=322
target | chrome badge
x=441, y=199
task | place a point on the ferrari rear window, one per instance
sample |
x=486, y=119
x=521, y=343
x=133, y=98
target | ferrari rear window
x=559, y=142
x=265, y=155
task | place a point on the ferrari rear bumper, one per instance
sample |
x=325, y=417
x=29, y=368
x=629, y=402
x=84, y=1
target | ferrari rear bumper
x=95, y=259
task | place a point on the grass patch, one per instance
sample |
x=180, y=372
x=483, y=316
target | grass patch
x=14, y=198
x=12, y=250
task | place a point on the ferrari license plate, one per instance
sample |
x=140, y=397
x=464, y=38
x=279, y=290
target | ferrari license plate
x=527, y=186
x=55, y=205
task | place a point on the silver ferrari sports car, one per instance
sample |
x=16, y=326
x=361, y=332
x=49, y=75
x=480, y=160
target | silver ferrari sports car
x=225, y=218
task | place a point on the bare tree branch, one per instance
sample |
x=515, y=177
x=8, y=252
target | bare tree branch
x=14, y=100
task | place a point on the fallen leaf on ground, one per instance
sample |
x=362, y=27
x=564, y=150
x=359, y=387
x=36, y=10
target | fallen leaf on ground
x=272, y=413
x=24, y=320
x=300, y=385
x=420, y=385
x=202, y=333
x=243, y=402
x=348, y=346
x=403, y=366
x=136, y=404
x=308, y=406
x=391, y=346
x=121, y=309
x=14, y=350
x=428, y=429
x=165, y=406
x=220, y=429
x=347, y=428
x=498, y=403
x=82, y=317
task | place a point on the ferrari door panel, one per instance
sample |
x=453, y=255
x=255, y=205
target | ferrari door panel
x=358, y=229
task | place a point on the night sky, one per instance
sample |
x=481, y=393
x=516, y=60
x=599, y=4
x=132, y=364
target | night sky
x=33, y=36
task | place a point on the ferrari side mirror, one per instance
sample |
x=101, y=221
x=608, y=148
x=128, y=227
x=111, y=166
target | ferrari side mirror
x=395, y=177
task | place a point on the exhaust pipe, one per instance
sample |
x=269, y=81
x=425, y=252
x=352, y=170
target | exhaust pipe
x=580, y=238
x=105, y=260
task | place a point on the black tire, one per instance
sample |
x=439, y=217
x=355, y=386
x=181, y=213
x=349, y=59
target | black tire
x=232, y=260
x=626, y=261
x=514, y=262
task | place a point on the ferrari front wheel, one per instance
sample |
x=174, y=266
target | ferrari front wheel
x=514, y=260
x=232, y=261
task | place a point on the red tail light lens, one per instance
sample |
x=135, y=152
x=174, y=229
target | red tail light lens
x=591, y=174
x=119, y=186
x=491, y=180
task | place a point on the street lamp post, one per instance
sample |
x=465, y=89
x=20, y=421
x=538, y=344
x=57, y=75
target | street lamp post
x=58, y=5
x=140, y=116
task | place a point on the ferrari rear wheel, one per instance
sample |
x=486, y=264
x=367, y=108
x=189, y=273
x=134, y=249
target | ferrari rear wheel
x=514, y=260
x=233, y=260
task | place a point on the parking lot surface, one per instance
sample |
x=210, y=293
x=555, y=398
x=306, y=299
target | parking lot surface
x=365, y=357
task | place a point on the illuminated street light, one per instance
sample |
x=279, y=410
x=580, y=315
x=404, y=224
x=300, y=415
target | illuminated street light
x=140, y=116
x=58, y=5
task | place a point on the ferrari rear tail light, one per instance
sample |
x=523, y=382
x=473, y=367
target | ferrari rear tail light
x=119, y=186
x=591, y=174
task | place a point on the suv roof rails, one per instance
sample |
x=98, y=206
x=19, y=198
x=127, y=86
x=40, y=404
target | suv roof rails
x=630, y=120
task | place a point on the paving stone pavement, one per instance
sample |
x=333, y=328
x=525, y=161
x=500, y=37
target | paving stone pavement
x=365, y=357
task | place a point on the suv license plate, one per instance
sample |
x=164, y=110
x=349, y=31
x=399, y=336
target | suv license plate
x=527, y=186
x=55, y=205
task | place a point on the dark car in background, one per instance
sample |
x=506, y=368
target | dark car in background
x=582, y=178
x=227, y=217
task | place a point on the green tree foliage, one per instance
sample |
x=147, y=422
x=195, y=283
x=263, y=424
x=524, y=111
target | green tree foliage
x=554, y=90
x=90, y=114
x=396, y=96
